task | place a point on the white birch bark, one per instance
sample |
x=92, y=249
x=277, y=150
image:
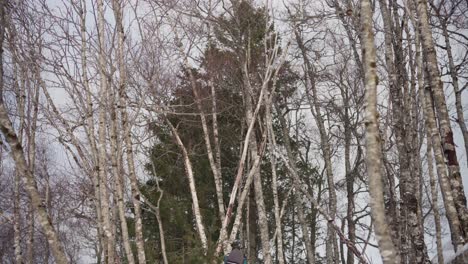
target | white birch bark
x=118, y=15
x=192, y=186
x=433, y=75
x=434, y=199
x=215, y=168
x=18, y=156
x=103, y=95
x=373, y=144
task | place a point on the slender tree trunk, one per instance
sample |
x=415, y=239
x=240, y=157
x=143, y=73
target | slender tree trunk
x=252, y=227
x=436, y=86
x=192, y=186
x=206, y=135
x=31, y=148
x=17, y=196
x=20, y=161
x=118, y=15
x=434, y=199
x=119, y=180
x=274, y=180
x=373, y=144
x=90, y=129
x=305, y=229
x=103, y=107
x=259, y=199
x=412, y=238
x=456, y=87
x=158, y=217
x=325, y=146
x=431, y=127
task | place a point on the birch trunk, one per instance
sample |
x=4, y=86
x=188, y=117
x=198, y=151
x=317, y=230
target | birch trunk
x=103, y=95
x=305, y=229
x=17, y=198
x=412, y=240
x=434, y=199
x=19, y=158
x=456, y=88
x=260, y=201
x=274, y=183
x=31, y=149
x=127, y=132
x=436, y=86
x=158, y=217
x=206, y=136
x=90, y=129
x=449, y=203
x=373, y=144
x=192, y=186
x=119, y=180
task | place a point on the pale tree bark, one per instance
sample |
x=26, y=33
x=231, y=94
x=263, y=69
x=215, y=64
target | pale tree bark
x=103, y=177
x=412, y=237
x=193, y=191
x=140, y=243
x=158, y=217
x=349, y=173
x=451, y=212
x=17, y=199
x=274, y=180
x=20, y=161
x=116, y=161
x=373, y=143
x=456, y=88
x=214, y=164
x=434, y=199
x=260, y=201
x=305, y=228
x=434, y=137
x=31, y=149
x=436, y=86
x=90, y=129
x=270, y=73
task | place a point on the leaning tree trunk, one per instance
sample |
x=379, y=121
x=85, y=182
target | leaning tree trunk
x=20, y=161
x=193, y=191
x=259, y=199
x=446, y=133
x=373, y=143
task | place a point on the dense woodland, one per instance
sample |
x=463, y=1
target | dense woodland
x=159, y=131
